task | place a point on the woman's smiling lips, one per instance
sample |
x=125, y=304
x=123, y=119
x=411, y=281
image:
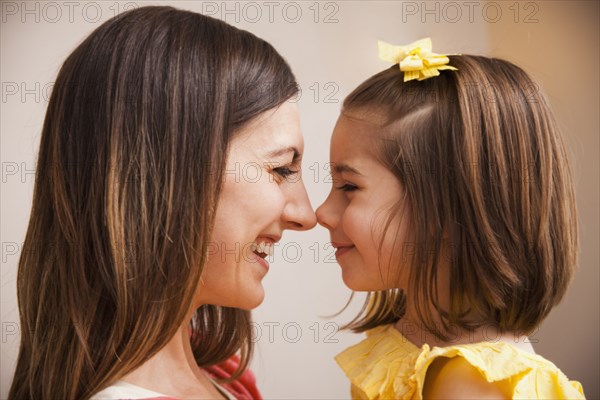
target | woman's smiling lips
x=263, y=262
x=342, y=248
x=260, y=253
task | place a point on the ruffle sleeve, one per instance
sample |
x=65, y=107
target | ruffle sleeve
x=386, y=365
x=529, y=375
x=379, y=367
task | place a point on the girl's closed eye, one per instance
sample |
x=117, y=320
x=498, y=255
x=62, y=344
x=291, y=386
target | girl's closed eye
x=347, y=187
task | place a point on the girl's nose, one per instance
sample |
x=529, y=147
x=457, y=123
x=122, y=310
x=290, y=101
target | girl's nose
x=326, y=215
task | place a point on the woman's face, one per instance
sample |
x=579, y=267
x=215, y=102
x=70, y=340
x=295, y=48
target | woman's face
x=262, y=195
x=358, y=207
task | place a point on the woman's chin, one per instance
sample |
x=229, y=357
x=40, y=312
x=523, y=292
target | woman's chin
x=252, y=299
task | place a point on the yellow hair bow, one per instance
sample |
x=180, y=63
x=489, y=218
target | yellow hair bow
x=416, y=59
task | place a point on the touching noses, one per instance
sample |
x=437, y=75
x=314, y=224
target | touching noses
x=298, y=214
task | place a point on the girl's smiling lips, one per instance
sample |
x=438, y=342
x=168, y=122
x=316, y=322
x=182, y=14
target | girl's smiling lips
x=342, y=248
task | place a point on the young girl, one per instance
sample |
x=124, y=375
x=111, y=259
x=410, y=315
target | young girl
x=453, y=207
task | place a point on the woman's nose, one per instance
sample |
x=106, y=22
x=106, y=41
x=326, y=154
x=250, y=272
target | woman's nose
x=298, y=214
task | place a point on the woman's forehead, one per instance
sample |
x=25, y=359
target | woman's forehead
x=274, y=129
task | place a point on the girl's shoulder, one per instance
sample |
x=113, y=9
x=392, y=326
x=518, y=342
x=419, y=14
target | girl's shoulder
x=387, y=365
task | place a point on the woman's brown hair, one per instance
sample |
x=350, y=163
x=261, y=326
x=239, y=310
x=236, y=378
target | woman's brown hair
x=128, y=176
x=487, y=182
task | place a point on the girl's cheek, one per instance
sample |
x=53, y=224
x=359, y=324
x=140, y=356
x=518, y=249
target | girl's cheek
x=356, y=224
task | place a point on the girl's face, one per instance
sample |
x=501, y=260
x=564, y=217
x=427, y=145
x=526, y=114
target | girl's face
x=262, y=195
x=358, y=207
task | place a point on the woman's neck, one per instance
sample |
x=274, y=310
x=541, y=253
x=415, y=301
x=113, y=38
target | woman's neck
x=173, y=371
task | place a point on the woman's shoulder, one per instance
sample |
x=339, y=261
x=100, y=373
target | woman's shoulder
x=387, y=365
x=125, y=390
x=243, y=388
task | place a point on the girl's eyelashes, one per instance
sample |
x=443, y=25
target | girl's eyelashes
x=347, y=187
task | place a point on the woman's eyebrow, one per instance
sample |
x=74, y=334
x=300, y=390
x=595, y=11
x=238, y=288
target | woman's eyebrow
x=339, y=168
x=284, y=150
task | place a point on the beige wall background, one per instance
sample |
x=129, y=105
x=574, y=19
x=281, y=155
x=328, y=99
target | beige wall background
x=331, y=45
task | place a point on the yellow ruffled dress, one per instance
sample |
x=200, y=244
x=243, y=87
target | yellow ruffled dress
x=387, y=366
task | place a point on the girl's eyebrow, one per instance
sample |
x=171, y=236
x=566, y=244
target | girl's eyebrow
x=339, y=168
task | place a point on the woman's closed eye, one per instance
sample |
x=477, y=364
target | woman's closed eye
x=285, y=171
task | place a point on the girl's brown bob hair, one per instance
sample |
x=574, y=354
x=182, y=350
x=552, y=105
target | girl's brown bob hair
x=128, y=177
x=487, y=181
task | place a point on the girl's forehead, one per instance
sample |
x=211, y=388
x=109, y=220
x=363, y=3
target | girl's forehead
x=355, y=135
x=354, y=149
x=363, y=117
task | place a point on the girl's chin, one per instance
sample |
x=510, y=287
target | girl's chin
x=360, y=285
x=355, y=285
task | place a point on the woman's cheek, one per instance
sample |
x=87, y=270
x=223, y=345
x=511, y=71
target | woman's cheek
x=273, y=199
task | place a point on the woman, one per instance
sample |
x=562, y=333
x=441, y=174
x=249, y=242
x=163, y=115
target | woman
x=163, y=180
